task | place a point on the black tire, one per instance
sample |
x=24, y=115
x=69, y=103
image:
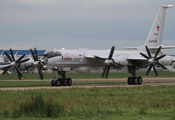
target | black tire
x=69, y=81
x=58, y=82
x=135, y=80
x=52, y=83
x=65, y=82
x=139, y=80
x=130, y=80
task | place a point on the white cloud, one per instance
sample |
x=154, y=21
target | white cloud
x=32, y=2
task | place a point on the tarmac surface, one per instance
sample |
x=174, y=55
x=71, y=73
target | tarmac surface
x=146, y=81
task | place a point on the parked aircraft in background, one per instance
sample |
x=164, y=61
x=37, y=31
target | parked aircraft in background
x=82, y=60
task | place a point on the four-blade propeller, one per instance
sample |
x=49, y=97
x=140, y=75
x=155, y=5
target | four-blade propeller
x=152, y=61
x=37, y=63
x=14, y=63
x=109, y=62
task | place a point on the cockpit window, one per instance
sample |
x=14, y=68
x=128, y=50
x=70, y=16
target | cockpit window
x=53, y=53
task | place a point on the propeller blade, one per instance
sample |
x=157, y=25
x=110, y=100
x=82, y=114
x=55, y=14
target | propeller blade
x=148, y=52
x=149, y=69
x=104, y=71
x=19, y=73
x=107, y=72
x=36, y=55
x=111, y=53
x=8, y=56
x=117, y=65
x=157, y=52
x=160, y=57
x=155, y=70
x=40, y=72
x=25, y=60
x=145, y=56
x=18, y=61
x=99, y=58
x=6, y=69
x=12, y=54
x=161, y=66
x=33, y=55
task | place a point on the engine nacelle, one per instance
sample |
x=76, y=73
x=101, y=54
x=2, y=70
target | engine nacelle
x=121, y=59
x=25, y=64
x=83, y=70
x=167, y=60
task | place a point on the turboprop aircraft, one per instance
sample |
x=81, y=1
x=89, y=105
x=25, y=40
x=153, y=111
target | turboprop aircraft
x=82, y=60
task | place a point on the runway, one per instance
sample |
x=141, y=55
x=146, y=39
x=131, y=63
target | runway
x=146, y=82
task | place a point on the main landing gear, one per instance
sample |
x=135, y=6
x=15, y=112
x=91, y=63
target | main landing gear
x=63, y=81
x=134, y=80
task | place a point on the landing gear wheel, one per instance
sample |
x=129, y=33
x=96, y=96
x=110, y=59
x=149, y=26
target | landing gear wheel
x=130, y=80
x=139, y=80
x=58, y=82
x=52, y=83
x=69, y=81
x=135, y=80
x=64, y=82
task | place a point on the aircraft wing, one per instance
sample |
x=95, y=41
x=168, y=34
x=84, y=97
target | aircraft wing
x=4, y=63
x=2, y=66
x=137, y=61
x=136, y=58
x=92, y=57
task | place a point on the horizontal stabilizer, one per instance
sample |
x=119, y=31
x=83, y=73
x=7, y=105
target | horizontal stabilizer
x=151, y=48
x=163, y=47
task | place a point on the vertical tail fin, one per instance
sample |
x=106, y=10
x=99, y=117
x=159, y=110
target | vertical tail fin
x=155, y=35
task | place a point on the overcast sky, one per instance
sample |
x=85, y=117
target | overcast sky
x=72, y=24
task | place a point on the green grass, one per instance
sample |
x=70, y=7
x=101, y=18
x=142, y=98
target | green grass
x=112, y=75
x=135, y=103
x=48, y=83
